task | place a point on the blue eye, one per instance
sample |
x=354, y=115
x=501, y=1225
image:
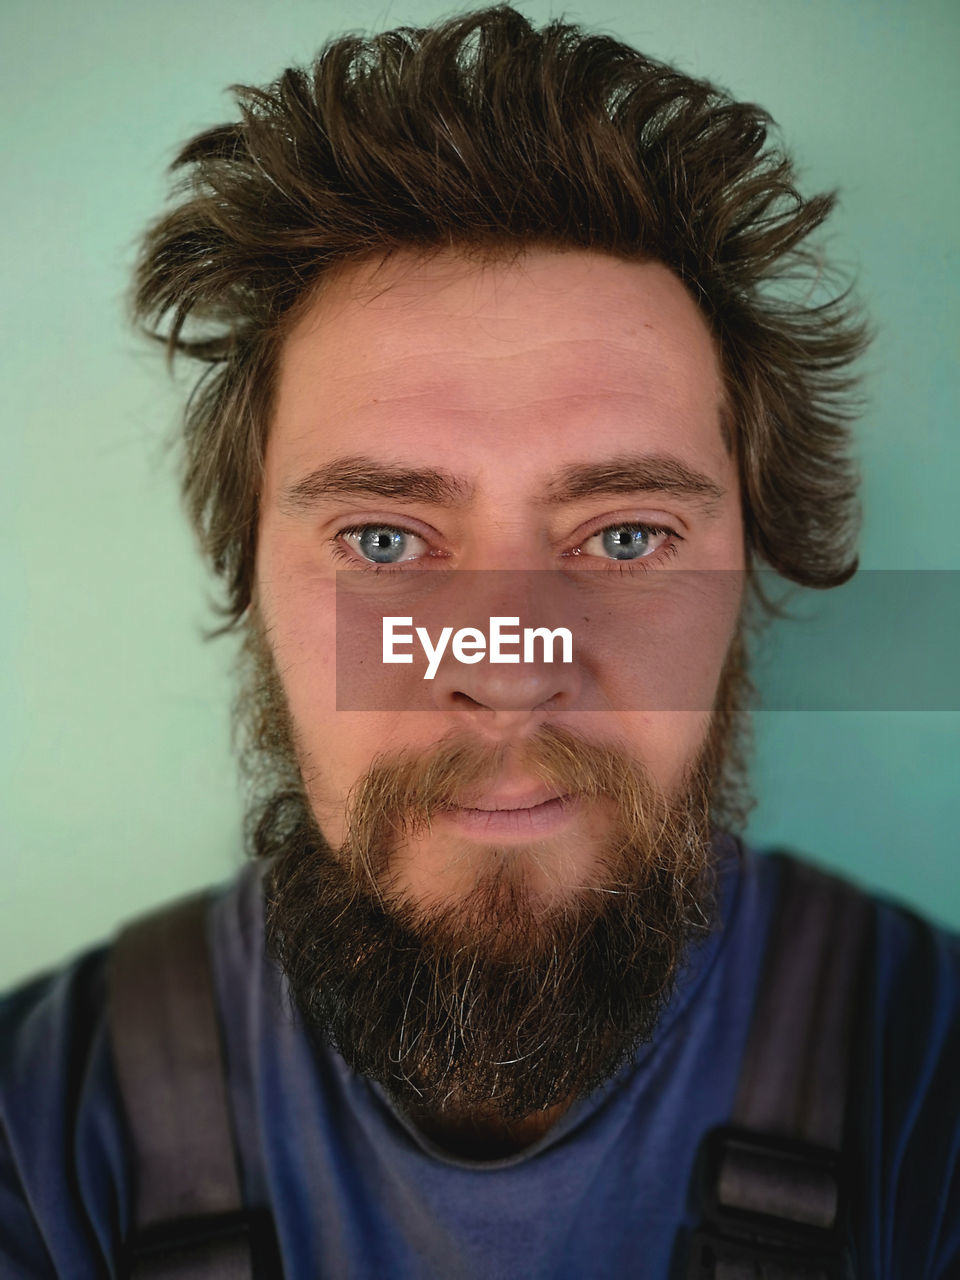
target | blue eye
x=626, y=541
x=384, y=543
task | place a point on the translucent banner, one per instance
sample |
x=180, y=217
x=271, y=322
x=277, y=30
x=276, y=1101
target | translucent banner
x=628, y=638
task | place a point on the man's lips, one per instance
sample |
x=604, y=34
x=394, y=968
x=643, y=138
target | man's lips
x=504, y=799
x=521, y=815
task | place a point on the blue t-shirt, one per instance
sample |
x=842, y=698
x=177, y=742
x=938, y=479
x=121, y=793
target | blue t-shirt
x=356, y=1191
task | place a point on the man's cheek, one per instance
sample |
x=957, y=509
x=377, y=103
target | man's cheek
x=666, y=742
x=335, y=754
x=304, y=650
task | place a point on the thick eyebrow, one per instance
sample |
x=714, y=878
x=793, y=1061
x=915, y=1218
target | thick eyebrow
x=636, y=473
x=364, y=477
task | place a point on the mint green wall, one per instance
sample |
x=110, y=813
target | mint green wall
x=117, y=786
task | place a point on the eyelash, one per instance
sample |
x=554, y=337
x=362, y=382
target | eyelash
x=643, y=563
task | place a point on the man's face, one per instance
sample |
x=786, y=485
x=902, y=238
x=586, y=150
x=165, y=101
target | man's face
x=545, y=401
x=503, y=377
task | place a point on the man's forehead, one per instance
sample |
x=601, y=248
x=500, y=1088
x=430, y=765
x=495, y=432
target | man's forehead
x=571, y=333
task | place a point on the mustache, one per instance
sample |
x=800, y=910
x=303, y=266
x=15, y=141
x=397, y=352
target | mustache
x=401, y=792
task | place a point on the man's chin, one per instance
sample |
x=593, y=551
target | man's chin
x=505, y=904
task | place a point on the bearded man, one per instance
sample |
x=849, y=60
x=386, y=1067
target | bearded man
x=500, y=323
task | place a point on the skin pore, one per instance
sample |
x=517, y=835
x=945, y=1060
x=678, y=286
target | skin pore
x=497, y=416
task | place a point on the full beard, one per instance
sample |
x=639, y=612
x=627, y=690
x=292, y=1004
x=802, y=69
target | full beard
x=503, y=1001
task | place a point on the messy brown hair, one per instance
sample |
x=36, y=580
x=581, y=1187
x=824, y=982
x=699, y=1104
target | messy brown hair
x=486, y=135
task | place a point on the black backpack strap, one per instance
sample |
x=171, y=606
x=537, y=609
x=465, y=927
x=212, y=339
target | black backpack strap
x=188, y=1219
x=775, y=1182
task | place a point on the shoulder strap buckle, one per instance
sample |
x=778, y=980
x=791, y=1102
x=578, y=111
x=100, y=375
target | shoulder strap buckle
x=776, y=1186
x=773, y=1208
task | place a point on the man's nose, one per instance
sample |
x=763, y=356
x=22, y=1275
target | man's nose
x=504, y=697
